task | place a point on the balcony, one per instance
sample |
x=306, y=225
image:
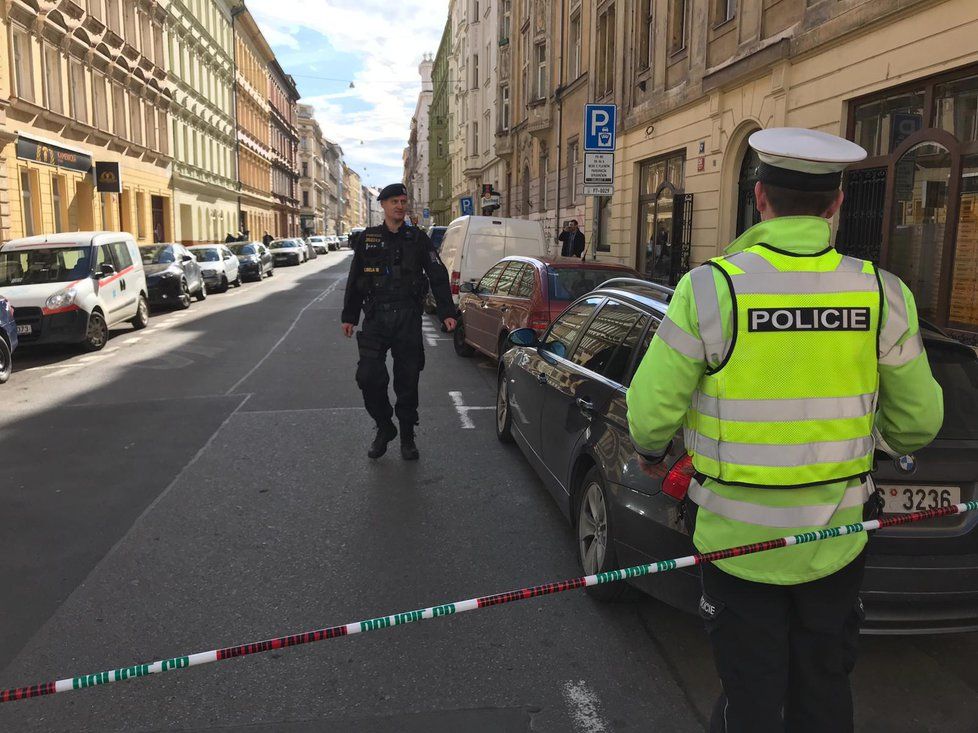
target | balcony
x=504, y=143
x=473, y=166
x=539, y=118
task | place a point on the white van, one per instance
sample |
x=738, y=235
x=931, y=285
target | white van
x=74, y=287
x=473, y=244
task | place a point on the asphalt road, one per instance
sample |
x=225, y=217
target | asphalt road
x=204, y=483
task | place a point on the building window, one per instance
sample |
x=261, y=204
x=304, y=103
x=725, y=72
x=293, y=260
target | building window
x=112, y=19
x=140, y=215
x=723, y=10
x=52, y=80
x=305, y=199
x=505, y=18
x=475, y=139
x=135, y=120
x=504, y=108
x=646, y=29
x=76, y=82
x=28, y=193
x=659, y=180
x=163, y=128
x=544, y=188
x=606, y=51
x=540, y=60
x=305, y=170
x=525, y=60
x=677, y=26
x=57, y=202
x=100, y=105
x=574, y=52
x=475, y=70
x=23, y=71
x=149, y=117
x=129, y=23
x=118, y=111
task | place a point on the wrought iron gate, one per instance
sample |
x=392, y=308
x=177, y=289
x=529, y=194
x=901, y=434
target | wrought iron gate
x=682, y=236
x=861, y=218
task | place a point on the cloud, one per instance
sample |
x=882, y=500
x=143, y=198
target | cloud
x=383, y=42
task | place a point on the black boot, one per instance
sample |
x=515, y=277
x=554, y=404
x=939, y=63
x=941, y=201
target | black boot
x=385, y=434
x=409, y=451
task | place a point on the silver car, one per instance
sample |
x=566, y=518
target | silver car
x=218, y=265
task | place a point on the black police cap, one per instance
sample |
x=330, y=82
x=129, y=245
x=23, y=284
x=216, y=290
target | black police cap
x=395, y=189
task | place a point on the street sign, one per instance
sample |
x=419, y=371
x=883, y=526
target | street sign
x=426, y=213
x=599, y=168
x=598, y=189
x=491, y=201
x=599, y=127
x=468, y=205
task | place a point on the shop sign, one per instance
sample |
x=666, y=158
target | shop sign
x=108, y=179
x=46, y=154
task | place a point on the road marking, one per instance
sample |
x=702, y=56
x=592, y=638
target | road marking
x=463, y=410
x=133, y=340
x=61, y=372
x=583, y=704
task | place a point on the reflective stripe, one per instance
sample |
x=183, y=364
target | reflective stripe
x=708, y=313
x=804, y=283
x=686, y=344
x=850, y=264
x=816, y=515
x=784, y=410
x=781, y=456
x=897, y=323
x=751, y=262
x=904, y=353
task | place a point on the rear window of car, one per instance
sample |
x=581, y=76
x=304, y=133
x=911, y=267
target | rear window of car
x=244, y=249
x=956, y=369
x=570, y=283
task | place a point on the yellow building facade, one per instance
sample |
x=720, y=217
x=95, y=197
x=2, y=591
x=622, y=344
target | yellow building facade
x=84, y=87
x=897, y=76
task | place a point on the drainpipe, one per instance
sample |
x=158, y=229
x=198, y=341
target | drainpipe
x=235, y=12
x=558, y=98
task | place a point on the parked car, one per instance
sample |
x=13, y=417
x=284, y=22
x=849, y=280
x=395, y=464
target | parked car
x=8, y=339
x=287, y=252
x=219, y=265
x=473, y=244
x=332, y=243
x=561, y=397
x=319, y=244
x=74, y=287
x=173, y=275
x=344, y=240
x=437, y=236
x=254, y=260
x=311, y=252
x=518, y=292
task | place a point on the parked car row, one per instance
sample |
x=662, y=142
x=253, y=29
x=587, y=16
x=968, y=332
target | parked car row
x=567, y=337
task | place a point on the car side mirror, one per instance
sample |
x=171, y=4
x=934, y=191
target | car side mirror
x=106, y=270
x=524, y=337
x=468, y=287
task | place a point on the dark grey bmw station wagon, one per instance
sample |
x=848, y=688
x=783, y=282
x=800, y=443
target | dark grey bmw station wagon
x=561, y=398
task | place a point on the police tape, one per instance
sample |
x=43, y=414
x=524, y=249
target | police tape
x=449, y=609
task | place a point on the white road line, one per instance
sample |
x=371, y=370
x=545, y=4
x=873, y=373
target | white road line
x=133, y=340
x=61, y=372
x=463, y=410
x=583, y=707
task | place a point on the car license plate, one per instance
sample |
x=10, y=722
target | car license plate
x=903, y=498
x=25, y=330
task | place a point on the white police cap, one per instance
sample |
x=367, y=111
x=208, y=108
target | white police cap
x=803, y=160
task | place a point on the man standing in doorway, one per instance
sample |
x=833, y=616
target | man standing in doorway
x=783, y=361
x=393, y=264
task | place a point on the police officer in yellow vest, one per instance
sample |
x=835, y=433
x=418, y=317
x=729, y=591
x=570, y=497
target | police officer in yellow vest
x=780, y=359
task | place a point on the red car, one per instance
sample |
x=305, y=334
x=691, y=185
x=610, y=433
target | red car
x=524, y=292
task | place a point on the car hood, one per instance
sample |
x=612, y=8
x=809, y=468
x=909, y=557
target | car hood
x=33, y=296
x=160, y=268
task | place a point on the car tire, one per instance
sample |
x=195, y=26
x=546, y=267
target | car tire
x=504, y=416
x=595, y=536
x=6, y=361
x=141, y=319
x=271, y=272
x=202, y=293
x=223, y=287
x=503, y=345
x=96, y=334
x=458, y=339
x=184, y=302
x=237, y=281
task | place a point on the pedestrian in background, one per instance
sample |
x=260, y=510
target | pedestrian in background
x=571, y=240
x=779, y=358
x=267, y=239
x=392, y=266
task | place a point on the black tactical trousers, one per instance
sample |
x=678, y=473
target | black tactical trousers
x=783, y=652
x=398, y=329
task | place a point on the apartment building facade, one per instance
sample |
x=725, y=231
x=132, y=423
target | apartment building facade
x=80, y=87
x=352, y=215
x=439, y=166
x=200, y=65
x=333, y=160
x=313, y=182
x=416, y=154
x=284, y=142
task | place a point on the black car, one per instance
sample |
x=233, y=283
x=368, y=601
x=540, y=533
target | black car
x=920, y=578
x=172, y=275
x=254, y=260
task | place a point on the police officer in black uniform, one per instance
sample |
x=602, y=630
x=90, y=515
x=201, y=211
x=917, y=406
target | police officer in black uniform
x=392, y=267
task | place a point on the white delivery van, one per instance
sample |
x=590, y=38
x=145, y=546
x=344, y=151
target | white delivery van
x=473, y=244
x=74, y=287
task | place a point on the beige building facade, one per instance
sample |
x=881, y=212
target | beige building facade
x=84, y=86
x=694, y=79
x=353, y=214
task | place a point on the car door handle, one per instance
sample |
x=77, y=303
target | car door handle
x=542, y=378
x=585, y=404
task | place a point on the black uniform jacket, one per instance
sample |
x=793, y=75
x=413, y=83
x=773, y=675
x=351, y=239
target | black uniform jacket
x=418, y=255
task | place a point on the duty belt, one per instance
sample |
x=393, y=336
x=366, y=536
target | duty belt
x=394, y=306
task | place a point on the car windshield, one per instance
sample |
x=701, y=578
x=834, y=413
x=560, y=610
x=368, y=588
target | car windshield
x=570, y=283
x=157, y=254
x=207, y=255
x=955, y=368
x=49, y=265
x=243, y=249
x=281, y=244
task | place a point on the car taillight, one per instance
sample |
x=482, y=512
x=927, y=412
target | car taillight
x=456, y=280
x=539, y=320
x=676, y=482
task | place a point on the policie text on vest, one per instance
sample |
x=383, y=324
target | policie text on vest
x=808, y=319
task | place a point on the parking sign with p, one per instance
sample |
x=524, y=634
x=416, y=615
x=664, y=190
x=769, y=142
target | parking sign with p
x=599, y=127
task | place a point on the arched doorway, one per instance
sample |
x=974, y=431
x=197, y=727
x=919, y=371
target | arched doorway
x=659, y=255
x=747, y=213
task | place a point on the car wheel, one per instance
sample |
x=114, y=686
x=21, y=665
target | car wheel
x=503, y=345
x=223, y=287
x=271, y=272
x=142, y=314
x=237, y=281
x=97, y=334
x=458, y=339
x=184, y=301
x=595, y=538
x=6, y=361
x=504, y=418
x=202, y=293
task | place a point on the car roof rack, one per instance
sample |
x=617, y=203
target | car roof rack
x=663, y=290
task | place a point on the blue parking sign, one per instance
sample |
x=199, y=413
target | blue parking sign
x=468, y=205
x=426, y=213
x=599, y=127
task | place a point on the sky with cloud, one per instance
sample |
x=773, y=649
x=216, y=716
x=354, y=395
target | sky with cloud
x=376, y=44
